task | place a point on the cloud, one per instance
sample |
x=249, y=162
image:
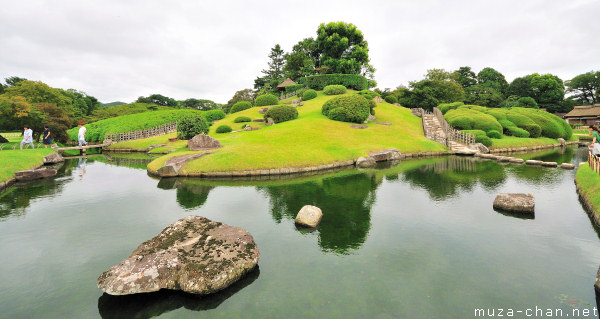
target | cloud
x=119, y=50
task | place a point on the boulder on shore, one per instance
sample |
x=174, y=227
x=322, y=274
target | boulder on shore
x=386, y=155
x=35, y=174
x=194, y=254
x=364, y=162
x=516, y=203
x=174, y=164
x=53, y=158
x=562, y=141
x=478, y=147
x=202, y=142
x=309, y=216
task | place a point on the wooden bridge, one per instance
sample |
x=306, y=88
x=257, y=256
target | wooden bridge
x=83, y=149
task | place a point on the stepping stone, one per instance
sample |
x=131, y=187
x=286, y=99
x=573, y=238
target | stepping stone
x=517, y=203
x=383, y=123
x=567, y=166
x=516, y=160
x=549, y=164
x=533, y=162
x=360, y=127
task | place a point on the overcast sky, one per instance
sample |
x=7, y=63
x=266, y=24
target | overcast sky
x=119, y=50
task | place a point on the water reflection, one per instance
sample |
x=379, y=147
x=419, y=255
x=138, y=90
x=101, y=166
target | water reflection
x=155, y=304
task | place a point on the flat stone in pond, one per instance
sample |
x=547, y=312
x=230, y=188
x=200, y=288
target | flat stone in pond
x=567, y=166
x=194, y=254
x=516, y=203
x=549, y=164
x=359, y=126
x=533, y=162
x=32, y=174
x=309, y=216
x=516, y=160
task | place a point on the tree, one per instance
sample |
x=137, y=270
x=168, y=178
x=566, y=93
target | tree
x=483, y=95
x=342, y=48
x=158, y=99
x=436, y=88
x=520, y=87
x=202, y=105
x=274, y=74
x=241, y=95
x=13, y=80
x=39, y=92
x=585, y=87
x=488, y=77
x=465, y=77
x=547, y=89
x=14, y=112
x=57, y=119
x=302, y=60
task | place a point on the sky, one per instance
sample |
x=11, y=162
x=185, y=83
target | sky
x=120, y=50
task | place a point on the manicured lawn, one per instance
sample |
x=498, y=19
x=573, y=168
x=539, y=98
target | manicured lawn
x=312, y=139
x=511, y=141
x=588, y=182
x=18, y=160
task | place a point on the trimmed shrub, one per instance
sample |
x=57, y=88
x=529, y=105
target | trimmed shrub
x=357, y=107
x=494, y=134
x=334, y=89
x=505, y=125
x=293, y=88
x=372, y=105
x=534, y=130
x=282, y=113
x=519, y=120
x=368, y=94
x=223, y=129
x=445, y=107
x=461, y=123
x=240, y=106
x=483, y=139
x=464, y=117
x=242, y=119
x=517, y=132
x=338, y=114
x=214, y=115
x=391, y=99
x=499, y=114
x=191, y=126
x=527, y=101
x=309, y=95
x=351, y=81
x=266, y=99
x=300, y=93
x=552, y=125
x=475, y=132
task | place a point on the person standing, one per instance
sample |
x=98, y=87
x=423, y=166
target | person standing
x=81, y=135
x=595, y=146
x=27, y=137
x=46, y=137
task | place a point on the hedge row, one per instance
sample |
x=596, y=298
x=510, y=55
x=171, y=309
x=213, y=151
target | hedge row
x=351, y=81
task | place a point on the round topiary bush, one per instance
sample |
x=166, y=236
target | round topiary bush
x=191, y=126
x=214, y=115
x=483, y=140
x=282, y=113
x=309, y=95
x=266, y=99
x=223, y=129
x=338, y=114
x=357, y=107
x=300, y=93
x=517, y=132
x=494, y=134
x=240, y=106
x=461, y=123
x=533, y=129
x=391, y=99
x=474, y=132
x=242, y=119
x=334, y=89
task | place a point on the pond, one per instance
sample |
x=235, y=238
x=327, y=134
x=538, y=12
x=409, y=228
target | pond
x=416, y=240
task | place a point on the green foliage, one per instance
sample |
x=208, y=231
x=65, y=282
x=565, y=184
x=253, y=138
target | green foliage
x=273, y=75
x=527, y=102
x=338, y=114
x=157, y=99
x=334, y=89
x=494, y=134
x=461, y=122
x=437, y=88
x=351, y=81
x=132, y=122
x=302, y=60
x=391, y=99
x=343, y=48
x=242, y=119
x=534, y=130
x=552, y=125
x=300, y=93
x=240, y=106
x=445, y=107
x=490, y=78
x=266, y=99
x=468, y=117
x=505, y=125
x=123, y=109
x=190, y=126
x=547, y=89
x=586, y=87
x=475, y=132
x=482, y=95
x=483, y=139
x=213, y=115
x=223, y=129
x=282, y=113
x=356, y=107
x=517, y=132
x=368, y=94
x=465, y=77
x=293, y=88
x=309, y=95
x=198, y=104
x=241, y=95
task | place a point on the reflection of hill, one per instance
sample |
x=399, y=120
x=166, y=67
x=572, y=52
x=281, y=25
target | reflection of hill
x=345, y=201
x=155, y=304
x=190, y=193
x=131, y=160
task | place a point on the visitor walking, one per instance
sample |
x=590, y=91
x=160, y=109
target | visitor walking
x=81, y=135
x=27, y=136
x=595, y=146
x=46, y=137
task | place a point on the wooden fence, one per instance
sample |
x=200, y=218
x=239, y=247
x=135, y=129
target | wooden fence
x=594, y=162
x=453, y=134
x=135, y=135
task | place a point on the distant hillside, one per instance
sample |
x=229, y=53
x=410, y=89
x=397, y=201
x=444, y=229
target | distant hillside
x=112, y=104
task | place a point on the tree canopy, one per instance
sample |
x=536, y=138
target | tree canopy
x=585, y=87
x=342, y=48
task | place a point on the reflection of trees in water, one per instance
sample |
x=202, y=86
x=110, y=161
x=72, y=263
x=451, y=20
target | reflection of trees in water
x=189, y=194
x=447, y=178
x=346, y=203
x=138, y=161
x=157, y=303
x=15, y=201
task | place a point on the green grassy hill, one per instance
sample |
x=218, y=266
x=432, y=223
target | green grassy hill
x=312, y=139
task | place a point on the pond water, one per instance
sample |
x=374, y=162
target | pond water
x=416, y=240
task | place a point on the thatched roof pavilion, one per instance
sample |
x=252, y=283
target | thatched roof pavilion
x=288, y=81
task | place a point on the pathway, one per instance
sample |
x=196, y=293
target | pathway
x=434, y=131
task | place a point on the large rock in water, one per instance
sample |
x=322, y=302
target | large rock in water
x=174, y=164
x=516, y=203
x=194, y=254
x=309, y=216
x=202, y=142
x=53, y=158
x=35, y=174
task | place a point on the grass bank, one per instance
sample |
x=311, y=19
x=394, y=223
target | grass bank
x=310, y=140
x=511, y=142
x=142, y=145
x=588, y=186
x=18, y=160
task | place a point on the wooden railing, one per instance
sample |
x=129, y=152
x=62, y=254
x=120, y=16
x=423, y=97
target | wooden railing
x=594, y=162
x=453, y=134
x=135, y=135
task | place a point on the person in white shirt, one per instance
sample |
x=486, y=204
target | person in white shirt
x=27, y=137
x=81, y=135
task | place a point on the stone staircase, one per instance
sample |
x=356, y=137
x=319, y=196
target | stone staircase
x=434, y=131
